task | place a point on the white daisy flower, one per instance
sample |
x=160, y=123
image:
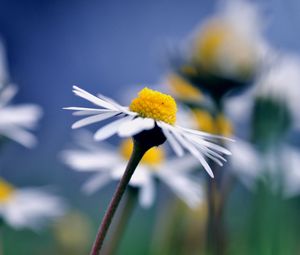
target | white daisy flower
x=230, y=43
x=28, y=207
x=16, y=120
x=245, y=162
x=279, y=169
x=108, y=164
x=151, y=109
x=281, y=83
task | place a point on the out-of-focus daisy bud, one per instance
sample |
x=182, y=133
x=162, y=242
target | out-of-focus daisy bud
x=226, y=51
x=276, y=109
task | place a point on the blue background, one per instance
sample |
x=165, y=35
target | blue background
x=102, y=46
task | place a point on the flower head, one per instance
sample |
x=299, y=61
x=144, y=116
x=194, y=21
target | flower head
x=108, y=164
x=281, y=83
x=155, y=105
x=150, y=111
x=28, y=207
x=226, y=52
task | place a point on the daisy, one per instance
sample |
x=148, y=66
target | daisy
x=245, y=162
x=16, y=120
x=226, y=52
x=28, y=207
x=150, y=111
x=275, y=100
x=281, y=84
x=108, y=163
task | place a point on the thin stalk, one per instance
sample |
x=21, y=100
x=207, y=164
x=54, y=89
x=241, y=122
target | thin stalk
x=129, y=205
x=217, y=197
x=136, y=156
x=1, y=238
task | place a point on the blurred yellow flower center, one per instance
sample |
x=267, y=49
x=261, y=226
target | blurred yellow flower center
x=182, y=89
x=153, y=156
x=209, y=42
x=155, y=105
x=219, y=125
x=6, y=191
x=221, y=48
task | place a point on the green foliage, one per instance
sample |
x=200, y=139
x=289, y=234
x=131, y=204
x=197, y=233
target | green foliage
x=271, y=121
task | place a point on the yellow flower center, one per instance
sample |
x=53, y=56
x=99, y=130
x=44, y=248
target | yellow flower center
x=209, y=42
x=6, y=191
x=155, y=105
x=219, y=125
x=182, y=89
x=154, y=156
x=220, y=47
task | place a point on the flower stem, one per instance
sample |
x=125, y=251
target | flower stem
x=130, y=202
x=217, y=196
x=138, y=152
x=1, y=237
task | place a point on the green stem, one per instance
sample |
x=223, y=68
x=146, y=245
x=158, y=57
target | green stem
x=136, y=156
x=129, y=205
x=1, y=238
x=217, y=196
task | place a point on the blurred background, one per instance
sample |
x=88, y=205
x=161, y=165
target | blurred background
x=105, y=46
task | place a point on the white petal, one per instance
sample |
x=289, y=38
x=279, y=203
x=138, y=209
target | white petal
x=24, y=115
x=111, y=128
x=172, y=141
x=111, y=101
x=93, y=119
x=7, y=94
x=211, y=145
x=19, y=135
x=96, y=182
x=204, y=134
x=89, y=160
x=210, y=153
x=147, y=194
x=93, y=99
x=184, y=164
x=246, y=162
x=135, y=126
x=186, y=187
x=193, y=150
x=32, y=208
x=81, y=111
x=139, y=178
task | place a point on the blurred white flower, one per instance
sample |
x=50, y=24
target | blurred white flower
x=16, y=120
x=290, y=159
x=282, y=82
x=109, y=163
x=151, y=109
x=280, y=166
x=279, y=169
x=28, y=207
x=230, y=43
x=245, y=162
